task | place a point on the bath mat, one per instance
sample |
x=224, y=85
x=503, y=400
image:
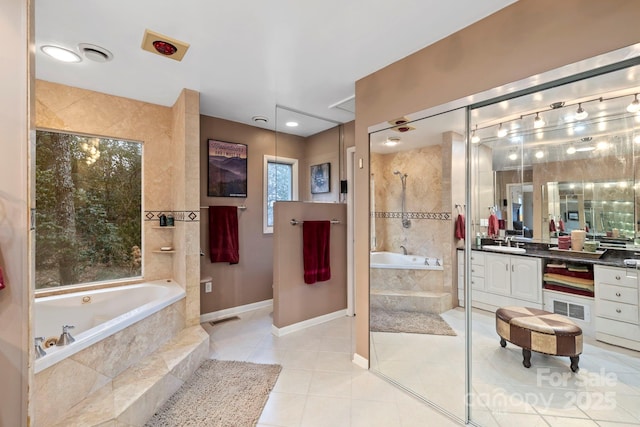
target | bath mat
x=219, y=394
x=410, y=322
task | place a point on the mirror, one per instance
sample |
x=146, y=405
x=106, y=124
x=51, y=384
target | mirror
x=417, y=329
x=605, y=209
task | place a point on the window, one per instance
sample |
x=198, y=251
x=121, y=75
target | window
x=280, y=183
x=88, y=209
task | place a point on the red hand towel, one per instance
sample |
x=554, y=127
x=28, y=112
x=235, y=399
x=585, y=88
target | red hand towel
x=1, y=279
x=493, y=225
x=223, y=234
x=552, y=225
x=316, y=237
x=561, y=225
x=460, y=227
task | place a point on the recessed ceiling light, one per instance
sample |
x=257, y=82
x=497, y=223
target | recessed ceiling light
x=583, y=149
x=61, y=53
x=292, y=124
x=392, y=141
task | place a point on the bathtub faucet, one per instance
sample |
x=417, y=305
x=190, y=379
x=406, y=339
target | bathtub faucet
x=66, y=337
x=404, y=250
x=39, y=351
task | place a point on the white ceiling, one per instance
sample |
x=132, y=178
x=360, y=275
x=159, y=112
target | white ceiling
x=246, y=56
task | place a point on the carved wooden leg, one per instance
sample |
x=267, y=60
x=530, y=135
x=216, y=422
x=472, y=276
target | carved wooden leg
x=503, y=343
x=574, y=363
x=526, y=354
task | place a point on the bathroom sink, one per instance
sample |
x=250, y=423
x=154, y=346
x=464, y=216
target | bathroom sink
x=505, y=249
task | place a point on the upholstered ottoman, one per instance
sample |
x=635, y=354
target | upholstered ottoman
x=539, y=331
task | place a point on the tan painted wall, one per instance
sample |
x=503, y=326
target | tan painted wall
x=525, y=38
x=323, y=147
x=294, y=301
x=250, y=280
x=15, y=300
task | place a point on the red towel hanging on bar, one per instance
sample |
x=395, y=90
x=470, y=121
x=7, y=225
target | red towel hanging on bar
x=316, y=239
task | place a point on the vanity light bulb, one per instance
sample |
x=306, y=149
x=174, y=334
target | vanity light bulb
x=502, y=132
x=513, y=156
x=603, y=145
x=636, y=139
x=539, y=154
x=474, y=138
x=581, y=114
x=538, y=122
x=571, y=150
x=634, y=107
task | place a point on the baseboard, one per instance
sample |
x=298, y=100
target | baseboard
x=360, y=361
x=234, y=311
x=278, y=332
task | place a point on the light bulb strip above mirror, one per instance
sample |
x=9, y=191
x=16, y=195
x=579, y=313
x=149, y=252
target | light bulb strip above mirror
x=581, y=113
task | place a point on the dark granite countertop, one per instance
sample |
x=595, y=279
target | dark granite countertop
x=611, y=257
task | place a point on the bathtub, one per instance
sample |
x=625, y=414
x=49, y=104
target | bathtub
x=397, y=261
x=97, y=314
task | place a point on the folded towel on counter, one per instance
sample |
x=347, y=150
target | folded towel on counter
x=316, y=242
x=574, y=282
x=223, y=234
x=494, y=226
x=459, y=233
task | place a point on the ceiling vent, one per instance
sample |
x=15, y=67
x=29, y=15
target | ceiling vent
x=347, y=104
x=164, y=46
x=95, y=53
x=398, y=121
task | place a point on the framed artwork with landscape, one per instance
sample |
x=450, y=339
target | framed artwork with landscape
x=227, y=169
x=321, y=178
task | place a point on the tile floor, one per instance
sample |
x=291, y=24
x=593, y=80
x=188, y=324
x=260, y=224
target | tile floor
x=605, y=392
x=319, y=385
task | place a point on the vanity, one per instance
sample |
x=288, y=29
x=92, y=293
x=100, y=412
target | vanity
x=608, y=310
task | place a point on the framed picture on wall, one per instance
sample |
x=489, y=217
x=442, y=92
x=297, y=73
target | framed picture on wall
x=227, y=169
x=321, y=178
x=572, y=216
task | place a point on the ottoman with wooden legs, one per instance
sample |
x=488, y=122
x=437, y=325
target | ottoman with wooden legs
x=540, y=331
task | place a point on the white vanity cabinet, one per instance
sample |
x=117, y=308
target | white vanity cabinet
x=499, y=280
x=617, y=316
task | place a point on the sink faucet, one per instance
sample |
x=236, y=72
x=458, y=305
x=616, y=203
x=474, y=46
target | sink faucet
x=508, y=240
x=404, y=250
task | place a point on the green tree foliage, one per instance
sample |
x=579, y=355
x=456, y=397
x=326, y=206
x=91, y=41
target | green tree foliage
x=88, y=200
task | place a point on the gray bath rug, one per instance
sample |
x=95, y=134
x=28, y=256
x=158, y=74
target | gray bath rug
x=219, y=394
x=410, y=322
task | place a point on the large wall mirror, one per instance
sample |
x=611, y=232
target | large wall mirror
x=543, y=164
x=417, y=328
x=548, y=164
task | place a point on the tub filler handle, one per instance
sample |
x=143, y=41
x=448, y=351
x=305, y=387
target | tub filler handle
x=65, y=337
x=39, y=351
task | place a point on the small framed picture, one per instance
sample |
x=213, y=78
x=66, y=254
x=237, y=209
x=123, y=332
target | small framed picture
x=227, y=174
x=572, y=216
x=321, y=178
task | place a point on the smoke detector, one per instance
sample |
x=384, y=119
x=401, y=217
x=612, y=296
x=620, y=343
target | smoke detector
x=163, y=45
x=95, y=53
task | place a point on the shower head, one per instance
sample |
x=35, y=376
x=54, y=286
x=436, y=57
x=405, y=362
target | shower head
x=396, y=172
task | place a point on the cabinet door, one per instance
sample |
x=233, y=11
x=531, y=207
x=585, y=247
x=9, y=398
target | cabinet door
x=525, y=279
x=497, y=274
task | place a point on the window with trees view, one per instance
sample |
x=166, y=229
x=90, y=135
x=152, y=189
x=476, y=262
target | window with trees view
x=281, y=183
x=88, y=209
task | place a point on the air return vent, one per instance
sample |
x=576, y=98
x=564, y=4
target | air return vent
x=347, y=104
x=95, y=53
x=574, y=311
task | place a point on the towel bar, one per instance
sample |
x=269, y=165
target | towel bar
x=296, y=222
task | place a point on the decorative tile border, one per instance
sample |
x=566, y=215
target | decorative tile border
x=438, y=216
x=186, y=216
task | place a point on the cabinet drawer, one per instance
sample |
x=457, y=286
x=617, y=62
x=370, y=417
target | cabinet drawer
x=618, y=311
x=477, y=283
x=616, y=276
x=477, y=271
x=618, y=294
x=477, y=258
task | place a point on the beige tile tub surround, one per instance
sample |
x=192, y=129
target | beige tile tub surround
x=65, y=384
